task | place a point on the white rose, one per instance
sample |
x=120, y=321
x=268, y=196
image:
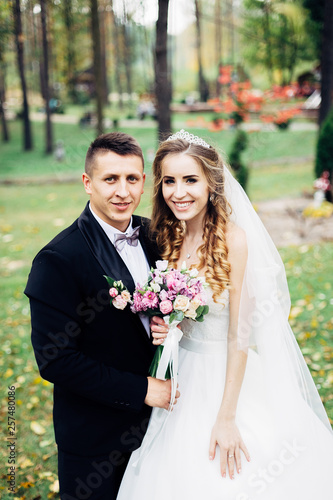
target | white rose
x=155, y=287
x=194, y=272
x=181, y=303
x=195, y=303
x=190, y=313
x=162, y=265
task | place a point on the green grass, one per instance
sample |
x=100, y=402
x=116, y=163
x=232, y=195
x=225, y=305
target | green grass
x=271, y=180
x=262, y=146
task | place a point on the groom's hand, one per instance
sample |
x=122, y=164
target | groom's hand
x=159, y=393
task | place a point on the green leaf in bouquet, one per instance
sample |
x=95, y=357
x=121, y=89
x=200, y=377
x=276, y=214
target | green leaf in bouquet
x=201, y=311
x=109, y=280
x=153, y=312
x=205, y=310
x=176, y=316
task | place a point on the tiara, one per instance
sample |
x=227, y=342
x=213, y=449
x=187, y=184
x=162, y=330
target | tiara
x=186, y=136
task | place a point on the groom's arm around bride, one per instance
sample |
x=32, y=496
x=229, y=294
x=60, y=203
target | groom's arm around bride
x=97, y=356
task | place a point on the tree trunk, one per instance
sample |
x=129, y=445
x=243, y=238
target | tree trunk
x=127, y=57
x=218, y=45
x=162, y=84
x=203, y=88
x=71, y=54
x=327, y=63
x=104, y=71
x=48, y=124
x=19, y=39
x=116, y=52
x=267, y=31
x=5, y=131
x=97, y=64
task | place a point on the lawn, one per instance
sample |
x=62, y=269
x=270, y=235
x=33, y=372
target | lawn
x=277, y=178
x=262, y=146
x=31, y=214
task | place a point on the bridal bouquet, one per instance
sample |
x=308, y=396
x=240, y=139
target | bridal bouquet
x=173, y=295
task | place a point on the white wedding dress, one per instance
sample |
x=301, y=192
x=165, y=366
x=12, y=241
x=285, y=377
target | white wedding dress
x=288, y=462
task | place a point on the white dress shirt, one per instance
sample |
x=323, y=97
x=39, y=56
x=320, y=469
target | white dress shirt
x=133, y=256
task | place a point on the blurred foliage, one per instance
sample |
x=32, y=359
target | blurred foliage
x=324, y=156
x=239, y=145
x=275, y=36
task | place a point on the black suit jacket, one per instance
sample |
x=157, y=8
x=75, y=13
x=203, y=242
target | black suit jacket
x=96, y=356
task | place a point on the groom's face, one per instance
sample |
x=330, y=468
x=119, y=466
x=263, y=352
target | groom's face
x=115, y=186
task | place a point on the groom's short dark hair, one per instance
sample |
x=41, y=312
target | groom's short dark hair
x=117, y=142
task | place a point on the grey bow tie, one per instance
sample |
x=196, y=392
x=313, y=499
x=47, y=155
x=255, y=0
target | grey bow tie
x=121, y=239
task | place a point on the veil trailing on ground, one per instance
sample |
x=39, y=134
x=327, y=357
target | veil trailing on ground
x=263, y=318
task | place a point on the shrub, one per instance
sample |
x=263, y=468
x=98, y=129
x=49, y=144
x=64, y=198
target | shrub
x=324, y=156
x=239, y=145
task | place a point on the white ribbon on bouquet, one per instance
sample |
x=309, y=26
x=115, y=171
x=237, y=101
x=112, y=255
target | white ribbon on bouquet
x=159, y=416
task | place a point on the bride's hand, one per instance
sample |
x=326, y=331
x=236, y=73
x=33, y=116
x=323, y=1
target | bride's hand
x=159, y=330
x=225, y=433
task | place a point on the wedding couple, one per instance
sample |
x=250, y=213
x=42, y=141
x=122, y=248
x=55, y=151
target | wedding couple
x=249, y=423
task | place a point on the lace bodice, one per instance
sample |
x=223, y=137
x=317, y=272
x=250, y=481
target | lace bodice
x=215, y=324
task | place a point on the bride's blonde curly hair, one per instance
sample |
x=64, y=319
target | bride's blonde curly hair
x=169, y=231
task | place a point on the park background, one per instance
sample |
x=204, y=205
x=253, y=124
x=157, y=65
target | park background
x=252, y=77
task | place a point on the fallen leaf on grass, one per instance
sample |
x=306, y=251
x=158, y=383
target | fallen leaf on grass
x=25, y=463
x=44, y=443
x=37, y=428
x=8, y=373
x=27, y=484
x=46, y=474
x=54, y=487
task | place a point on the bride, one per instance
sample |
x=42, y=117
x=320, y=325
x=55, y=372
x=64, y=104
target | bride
x=249, y=423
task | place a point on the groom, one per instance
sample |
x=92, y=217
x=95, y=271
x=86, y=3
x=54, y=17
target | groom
x=97, y=356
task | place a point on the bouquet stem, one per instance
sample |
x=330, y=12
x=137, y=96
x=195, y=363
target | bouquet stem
x=155, y=362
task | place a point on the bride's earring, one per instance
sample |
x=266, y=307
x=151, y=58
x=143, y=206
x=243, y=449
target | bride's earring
x=212, y=199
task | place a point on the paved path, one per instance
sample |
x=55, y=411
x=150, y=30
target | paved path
x=286, y=225
x=134, y=123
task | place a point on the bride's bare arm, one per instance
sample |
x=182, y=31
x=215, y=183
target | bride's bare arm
x=225, y=432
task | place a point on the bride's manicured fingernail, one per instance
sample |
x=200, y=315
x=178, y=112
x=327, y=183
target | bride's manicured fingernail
x=210, y=457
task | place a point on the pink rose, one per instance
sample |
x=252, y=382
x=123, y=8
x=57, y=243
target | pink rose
x=113, y=292
x=166, y=306
x=119, y=303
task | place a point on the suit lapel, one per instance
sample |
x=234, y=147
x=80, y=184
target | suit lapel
x=147, y=245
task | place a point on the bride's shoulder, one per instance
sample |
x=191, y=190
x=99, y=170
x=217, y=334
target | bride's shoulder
x=236, y=240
